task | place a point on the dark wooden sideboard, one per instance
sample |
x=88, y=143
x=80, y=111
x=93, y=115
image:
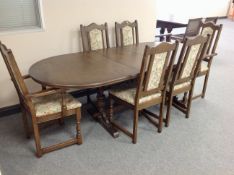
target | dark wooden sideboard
x=167, y=25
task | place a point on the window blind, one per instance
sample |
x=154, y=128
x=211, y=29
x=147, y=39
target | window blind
x=19, y=14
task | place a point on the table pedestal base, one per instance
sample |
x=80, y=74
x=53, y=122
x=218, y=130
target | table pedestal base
x=100, y=115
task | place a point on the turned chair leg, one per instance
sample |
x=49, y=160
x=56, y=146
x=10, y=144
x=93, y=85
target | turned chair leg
x=160, y=122
x=205, y=85
x=110, y=111
x=168, y=115
x=78, y=130
x=135, y=126
x=61, y=121
x=37, y=140
x=25, y=123
x=189, y=102
x=88, y=99
x=185, y=98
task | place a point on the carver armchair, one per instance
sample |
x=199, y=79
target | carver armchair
x=43, y=106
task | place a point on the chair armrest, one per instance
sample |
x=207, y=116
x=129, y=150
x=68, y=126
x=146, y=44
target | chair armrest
x=46, y=92
x=26, y=76
x=207, y=57
x=180, y=39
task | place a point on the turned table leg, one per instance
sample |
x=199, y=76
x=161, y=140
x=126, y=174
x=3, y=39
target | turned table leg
x=101, y=114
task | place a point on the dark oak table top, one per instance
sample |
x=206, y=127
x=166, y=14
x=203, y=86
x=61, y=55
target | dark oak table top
x=90, y=69
x=85, y=70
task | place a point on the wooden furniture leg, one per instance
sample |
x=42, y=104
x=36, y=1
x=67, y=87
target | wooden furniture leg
x=205, y=84
x=169, y=104
x=78, y=130
x=25, y=123
x=189, y=103
x=135, y=126
x=101, y=116
x=37, y=140
x=160, y=117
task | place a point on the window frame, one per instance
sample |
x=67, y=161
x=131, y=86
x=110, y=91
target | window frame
x=19, y=30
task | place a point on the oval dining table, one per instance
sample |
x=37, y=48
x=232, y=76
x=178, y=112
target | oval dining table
x=94, y=69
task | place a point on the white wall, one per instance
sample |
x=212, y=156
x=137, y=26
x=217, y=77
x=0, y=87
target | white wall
x=182, y=10
x=62, y=21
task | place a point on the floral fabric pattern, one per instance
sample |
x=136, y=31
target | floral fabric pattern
x=156, y=71
x=204, y=67
x=127, y=35
x=51, y=104
x=191, y=60
x=96, y=41
x=182, y=85
x=128, y=95
x=206, y=31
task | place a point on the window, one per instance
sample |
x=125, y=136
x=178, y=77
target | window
x=16, y=15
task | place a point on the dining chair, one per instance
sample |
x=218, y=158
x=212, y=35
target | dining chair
x=94, y=37
x=126, y=33
x=192, y=29
x=184, y=75
x=212, y=19
x=42, y=106
x=155, y=71
x=214, y=31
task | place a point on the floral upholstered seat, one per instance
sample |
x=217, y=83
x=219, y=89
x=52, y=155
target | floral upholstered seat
x=206, y=31
x=188, y=67
x=128, y=95
x=191, y=61
x=204, y=67
x=94, y=37
x=126, y=33
x=210, y=28
x=127, y=36
x=186, y=71
x=182, y=85
x=96, y=41
x=51, y=104
x=156, y=68
x=48, y=104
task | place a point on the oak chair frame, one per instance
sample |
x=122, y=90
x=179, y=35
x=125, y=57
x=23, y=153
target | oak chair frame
x=86, y=42
x=185, y=104
x=86, y=38
x=188, y=32
x=210, y=54
x=142, y=85
x=211, y=19
x=27, y=107
x=119, y=32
